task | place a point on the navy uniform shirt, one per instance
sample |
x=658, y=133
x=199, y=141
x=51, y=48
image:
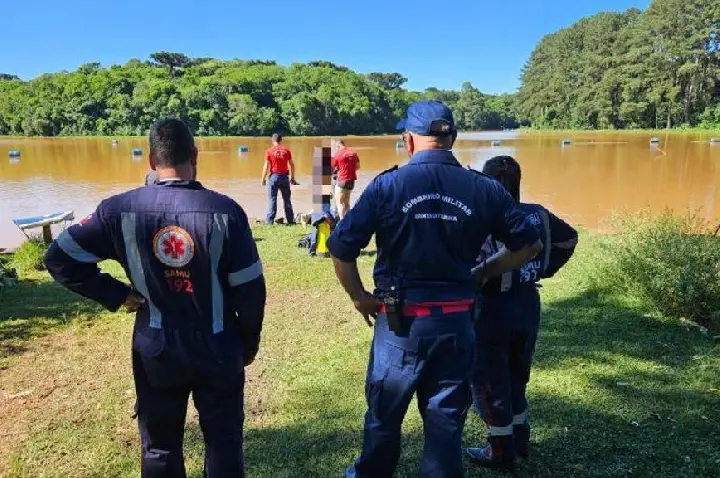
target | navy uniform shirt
x=430, y=218
x=558, y=238
x=188, y=250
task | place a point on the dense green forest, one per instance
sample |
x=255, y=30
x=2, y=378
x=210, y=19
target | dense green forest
x=233, y=97
x=656, y=68
x=659, y=68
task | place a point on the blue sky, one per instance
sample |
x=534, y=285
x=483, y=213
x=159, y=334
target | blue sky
x=432, y=43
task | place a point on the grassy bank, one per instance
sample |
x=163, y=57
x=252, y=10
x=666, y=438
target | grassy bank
x=654, y=132
x=616, y=391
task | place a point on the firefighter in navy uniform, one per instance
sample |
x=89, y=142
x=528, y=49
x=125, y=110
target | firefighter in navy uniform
x=427, y=217
x=506, y=328
x=199, y=292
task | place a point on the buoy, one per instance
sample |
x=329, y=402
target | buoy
x=399, y=145
x=14, y=153
x=654, y=140
x=714, y=140
x=136, y=151
x=495, y=143
x=566, y=142
x=243, y=149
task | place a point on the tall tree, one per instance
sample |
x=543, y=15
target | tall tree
x=173, y=61
x=387, y=80
x=657, y=68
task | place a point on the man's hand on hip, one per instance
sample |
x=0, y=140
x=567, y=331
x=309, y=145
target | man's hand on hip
x=133, y=302
x=368, y=305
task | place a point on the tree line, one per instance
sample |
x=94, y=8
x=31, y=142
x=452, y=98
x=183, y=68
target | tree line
x=658, y=68
x=233, y=97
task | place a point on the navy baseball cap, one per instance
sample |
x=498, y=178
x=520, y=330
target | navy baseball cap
x=428, y=118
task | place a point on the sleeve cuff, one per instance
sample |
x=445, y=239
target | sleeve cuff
x=116, y=296
x=341, y=251
x=522, y=241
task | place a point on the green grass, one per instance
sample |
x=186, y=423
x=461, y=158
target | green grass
x=615, y=391
x=29, y=256
x=655, y=132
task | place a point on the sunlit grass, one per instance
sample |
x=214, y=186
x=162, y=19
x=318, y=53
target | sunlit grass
x=615, y=391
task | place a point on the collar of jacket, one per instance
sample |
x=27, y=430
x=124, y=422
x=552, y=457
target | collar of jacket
x=436, y=156
x=174, y=183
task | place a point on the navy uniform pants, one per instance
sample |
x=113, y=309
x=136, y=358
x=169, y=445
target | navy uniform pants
x=163, y=386
x=279, y=182
x=506, y=329
x=433, y=361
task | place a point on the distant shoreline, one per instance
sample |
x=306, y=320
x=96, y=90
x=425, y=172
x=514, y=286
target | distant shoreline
x=462, y=135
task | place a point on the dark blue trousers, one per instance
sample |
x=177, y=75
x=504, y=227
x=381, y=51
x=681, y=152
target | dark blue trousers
x=163, y=386
x=506, y=329
x=433, y=361
x=279, y=182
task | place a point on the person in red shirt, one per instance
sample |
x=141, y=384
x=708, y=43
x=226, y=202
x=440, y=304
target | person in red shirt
x=345, y=163
x=279, y=165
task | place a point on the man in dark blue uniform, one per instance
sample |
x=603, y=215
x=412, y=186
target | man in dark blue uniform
x=506, y=328
x=427, y=217
x=199, y=292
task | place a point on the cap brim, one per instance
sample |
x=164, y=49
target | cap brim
x=401, y=125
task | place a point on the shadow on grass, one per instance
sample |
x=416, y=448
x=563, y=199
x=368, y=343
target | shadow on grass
x=34, y=307
x=650, y=411
x=572, y=440
x=303, y=450
x=663, y=424
x=591, y=325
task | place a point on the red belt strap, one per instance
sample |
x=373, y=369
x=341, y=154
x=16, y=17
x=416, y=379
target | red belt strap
x=424, y=309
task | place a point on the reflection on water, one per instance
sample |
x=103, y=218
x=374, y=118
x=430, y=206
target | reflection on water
x=584, y=182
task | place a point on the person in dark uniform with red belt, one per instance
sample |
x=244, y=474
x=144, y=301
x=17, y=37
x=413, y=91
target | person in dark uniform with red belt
x=198, y=288
x=279, y=165
x=427, y=217
x=346, y=162
x=506, y=328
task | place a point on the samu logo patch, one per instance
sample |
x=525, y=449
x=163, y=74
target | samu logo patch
x=173, y=246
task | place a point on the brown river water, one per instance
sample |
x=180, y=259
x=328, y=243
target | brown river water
x=585, y=182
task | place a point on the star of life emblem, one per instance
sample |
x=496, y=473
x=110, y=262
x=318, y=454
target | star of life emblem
x=173, y=246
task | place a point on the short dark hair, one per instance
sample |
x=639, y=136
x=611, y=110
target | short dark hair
x=441, y=129
x=277, y=137
x=505, y=170
x=171, y=143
